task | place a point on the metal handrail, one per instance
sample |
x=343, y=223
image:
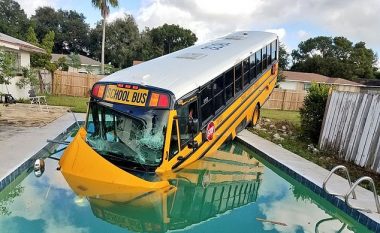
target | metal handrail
x=364, y=178
x=348, y=178
x=329, y=219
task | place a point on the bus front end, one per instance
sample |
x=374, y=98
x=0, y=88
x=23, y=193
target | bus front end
x=122, y=142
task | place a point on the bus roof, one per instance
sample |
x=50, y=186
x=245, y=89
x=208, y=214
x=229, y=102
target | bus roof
x=185, y=70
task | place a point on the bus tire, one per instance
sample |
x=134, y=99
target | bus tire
x=255, y=115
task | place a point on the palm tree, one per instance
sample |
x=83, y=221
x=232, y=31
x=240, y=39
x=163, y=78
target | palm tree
x=105, y=10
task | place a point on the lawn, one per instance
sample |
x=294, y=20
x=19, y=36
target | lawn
x=278, y=115
x=77, y=104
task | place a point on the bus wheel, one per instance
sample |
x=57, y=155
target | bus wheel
x=256, y=116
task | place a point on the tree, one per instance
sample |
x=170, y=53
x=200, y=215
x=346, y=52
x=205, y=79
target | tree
x=40, y=60
x=73, y=60
x=31, y=36
x=122, y=36
x=7, y=67
x=44, y=20
x=13, y=20
x=71, y=30
x=283, y=56
x=334, y=57
x=62, y=64
x=103, y=5
x=313, y=110
x=169, y=38
x=28, y=78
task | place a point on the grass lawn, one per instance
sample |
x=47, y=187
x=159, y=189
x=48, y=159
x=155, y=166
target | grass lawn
x=279, y=115
x=298, y=144
x=77, y=104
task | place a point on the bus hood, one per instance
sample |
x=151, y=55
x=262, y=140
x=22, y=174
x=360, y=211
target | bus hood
x=81, y=165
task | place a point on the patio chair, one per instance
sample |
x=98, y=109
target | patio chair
x=38, y=100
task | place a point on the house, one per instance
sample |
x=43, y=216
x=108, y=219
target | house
x=22, y=51
x=87, y=65
x=299, y=81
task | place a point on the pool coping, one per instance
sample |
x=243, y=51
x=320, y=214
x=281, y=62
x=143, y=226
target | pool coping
x=312, y=176
x=28, y=162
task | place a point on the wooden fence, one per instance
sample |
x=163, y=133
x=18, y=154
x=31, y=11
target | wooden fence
x=73, y=84
x=285, y=100
x=351, y=128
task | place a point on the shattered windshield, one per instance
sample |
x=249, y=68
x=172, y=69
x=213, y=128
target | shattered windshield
x=136, y=135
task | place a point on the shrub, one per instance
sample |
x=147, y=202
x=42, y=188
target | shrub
x=313, y=111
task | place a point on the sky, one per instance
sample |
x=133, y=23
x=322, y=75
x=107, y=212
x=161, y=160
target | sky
x=292, y=20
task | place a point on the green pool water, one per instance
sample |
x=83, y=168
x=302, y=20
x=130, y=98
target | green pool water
x=232, y=191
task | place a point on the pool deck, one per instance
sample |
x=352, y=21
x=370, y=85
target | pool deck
x=17, y=148
x=313, y=176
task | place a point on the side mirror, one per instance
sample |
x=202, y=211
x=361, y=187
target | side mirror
x=39, y=167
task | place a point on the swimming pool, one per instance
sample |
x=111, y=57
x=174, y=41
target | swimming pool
x=233, y=190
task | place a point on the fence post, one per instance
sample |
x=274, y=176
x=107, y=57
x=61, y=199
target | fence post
x=283, y=100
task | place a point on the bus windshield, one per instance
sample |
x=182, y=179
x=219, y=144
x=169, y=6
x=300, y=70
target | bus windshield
x=135, y=135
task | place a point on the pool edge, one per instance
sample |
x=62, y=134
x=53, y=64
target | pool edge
x=359, y=216
x=28, y=163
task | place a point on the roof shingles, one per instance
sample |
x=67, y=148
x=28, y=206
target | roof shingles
x=311, y=77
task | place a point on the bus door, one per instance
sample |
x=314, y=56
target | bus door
x=185, y=135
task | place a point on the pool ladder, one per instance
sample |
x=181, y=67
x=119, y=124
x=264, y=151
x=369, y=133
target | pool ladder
x=352, y=188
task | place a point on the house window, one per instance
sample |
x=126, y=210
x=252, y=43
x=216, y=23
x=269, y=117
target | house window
x=306, y=86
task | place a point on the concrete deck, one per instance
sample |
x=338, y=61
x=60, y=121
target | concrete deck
x=21, y=144
x=313, y=173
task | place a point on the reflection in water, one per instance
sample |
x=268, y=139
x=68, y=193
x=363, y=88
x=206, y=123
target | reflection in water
x=225, y=192
x=209, y=187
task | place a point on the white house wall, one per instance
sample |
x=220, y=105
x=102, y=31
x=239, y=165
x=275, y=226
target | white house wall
x=16, y=92
x=25, y=59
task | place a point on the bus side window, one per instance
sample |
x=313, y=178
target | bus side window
x=238, y=78
x=206, y=104
x=218, y=88
x=188, y=123
x=264, y=57
x=229, y=84
x=253, y=66
x=259, y=67
x=174, y=141
x=246, y=76
x=274, y=50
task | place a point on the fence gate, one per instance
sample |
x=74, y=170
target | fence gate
x=351, y=128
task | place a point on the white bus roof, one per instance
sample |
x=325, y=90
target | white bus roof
x=185, y=70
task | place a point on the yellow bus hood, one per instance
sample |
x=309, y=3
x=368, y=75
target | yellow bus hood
x=81, y=166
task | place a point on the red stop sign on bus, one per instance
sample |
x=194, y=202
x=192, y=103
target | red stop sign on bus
x=210, y=130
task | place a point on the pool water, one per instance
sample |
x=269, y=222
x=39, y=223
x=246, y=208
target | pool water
x=232, y=190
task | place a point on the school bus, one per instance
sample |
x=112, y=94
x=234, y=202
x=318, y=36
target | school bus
x=207, y=188
x=162, y=115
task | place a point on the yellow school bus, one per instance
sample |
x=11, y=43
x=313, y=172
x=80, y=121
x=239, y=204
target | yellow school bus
x=162, y=115
x=205, y=189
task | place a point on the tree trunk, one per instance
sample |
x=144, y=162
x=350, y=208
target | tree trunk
x=103, y=42
x=52, y=82
x=42, y=86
